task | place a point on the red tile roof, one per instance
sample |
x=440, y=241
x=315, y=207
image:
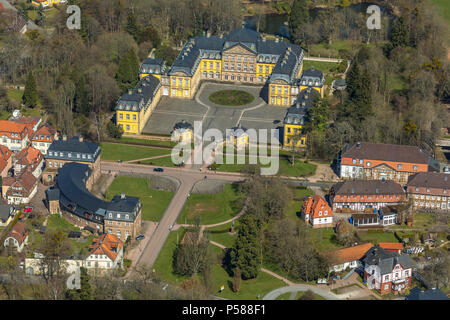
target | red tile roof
x=315, y=205
x=107, y=244
x=9, y=127
x=44, y=131
x=24, y=179
x=29, y=156
x=19, y=232
x=349, y=254
x=5, y=154
x=391, y=245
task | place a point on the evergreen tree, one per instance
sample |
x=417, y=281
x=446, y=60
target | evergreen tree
x=40, y=20
x=85, y=292
x=246, y=252
x=132, y=27
x=299, y=15
x=81, y=101
x=127, y=72
x=30, y=94
x=400, y=33
x=317, y=116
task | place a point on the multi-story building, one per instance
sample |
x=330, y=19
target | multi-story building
x=71, y=196
x=21, y=188
x=182, y=132
x=135, y=106
x=154, y=66
x=378, y=161
x=365, y=195
x=294, y=120
x=43, y=138
x=13, y=135
x=387, y=272
x=31, y=158
x=32, y=122
x=314, y=79
x=66, y=150
x=317, y=212
x=429, y=191
x=17, y=238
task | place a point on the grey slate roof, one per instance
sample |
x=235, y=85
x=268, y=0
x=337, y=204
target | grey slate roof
x=5, y=211
x=74, y=196
x=387, y=152
x=432, y=294
x=312, y=77
x=385, y=260
x=430, y=180
x=60, y=149
x=153, y=65
x=141, y=96
x=367, y=187
x=52, y=194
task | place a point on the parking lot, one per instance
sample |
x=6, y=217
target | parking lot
x=256, y=115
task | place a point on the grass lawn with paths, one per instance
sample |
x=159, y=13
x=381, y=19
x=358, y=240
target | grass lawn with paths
x=123, y=152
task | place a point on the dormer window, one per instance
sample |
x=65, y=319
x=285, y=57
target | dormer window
x=110, y=215
x=399, y=166
x=83, y=156
x=50, y=153
x=127, y=216
x=118, y=216
x=368, y=163
x=78, y=155
x=415, y=167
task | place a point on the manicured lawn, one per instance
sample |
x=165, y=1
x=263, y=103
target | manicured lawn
x=299, y=169
x=114, y=151
x=165, y=143
x=295, y=206
x=284, y=296
x=162, y=162
x=221, y=234
x=323, y=239
x=231, y=97
x=324, y=67
x=154, y=202
x=59, y=223
x=15, y=95
x=211, y=208
x=443, y=8
x=164, y=262
x=378, y=237
x=421, y=220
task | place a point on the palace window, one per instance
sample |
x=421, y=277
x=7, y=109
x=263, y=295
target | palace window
x=232, y=67
x=285, y=101
x=260, y=78
x=186, y=93
x=186, y=83
x=217, y=75
x=204, y=64
x=211, y=74
x=273, y=88
x=251, y=68
x=174, y=82
x=128, y=117
x=204, y=74
x=226, y=77
x=232, y=58
x=272, y=100
x=279, y=90
x=226, y=66
x=245, y=68
x=251, y=79
x=245, y=78
x=239, y=59
x=210, y=65
x=217, y=65
x=134, y=118
x=260, y=69
x=128, y=129
x=180, y=82
x=232, y=77
x=267, y=69
x=174, y=92
x=286, y=90
x=238, y=78
x=239, y=67
x=120, y=116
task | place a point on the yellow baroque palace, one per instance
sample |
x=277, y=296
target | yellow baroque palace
x=243, y=56
x=47, y=3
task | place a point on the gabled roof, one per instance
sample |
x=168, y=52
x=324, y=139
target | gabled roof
x=386, y=152
x=385, y=260
x=25, y=179
x=430, y=180
x=391, y=245
x=73, y=145
x=5, y=211
x=432, y=294
x=45, y=131
x=29, y=157
x=5, y=154
x=141, y=96
x=107, y=244
x=8, y=127
x=368, y=187
x=19, y=232
x=313, y=205
x=349, y=254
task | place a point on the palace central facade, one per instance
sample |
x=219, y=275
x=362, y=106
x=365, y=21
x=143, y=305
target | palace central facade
x=243, y=56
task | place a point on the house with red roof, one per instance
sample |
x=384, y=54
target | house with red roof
x=43, y=138
x=105, y=252
x=317, y=212
x=5, y=161
x=32, y=122
x=17, y=238
x=31, y=158
x=21, y=188
x=14, y=135
x=350, y=257
x=395, y=247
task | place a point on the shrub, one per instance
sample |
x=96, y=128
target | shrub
x=127, y=263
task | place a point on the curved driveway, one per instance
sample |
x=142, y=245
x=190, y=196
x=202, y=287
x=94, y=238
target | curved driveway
x=272, y=295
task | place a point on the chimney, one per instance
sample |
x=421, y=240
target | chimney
x=64, y=137
x=208, y=33
x=130, y=91
x=80, y=138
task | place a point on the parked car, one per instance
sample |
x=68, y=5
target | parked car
x=140, y=237
x=27, y=209
x=158, y=170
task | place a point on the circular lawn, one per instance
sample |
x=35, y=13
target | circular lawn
x=231, y=97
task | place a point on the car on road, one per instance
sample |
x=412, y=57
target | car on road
x=276, y=121
x=158, y=170
x=27, y=209
x=140, y=237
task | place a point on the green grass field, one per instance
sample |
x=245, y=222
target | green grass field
x=378, y=237
x=295, y=206
x=15, y=95
x=165, y=143
x=325, y=67
x=323, y=239
x=221, y=234
x=162, y=162
x=443, y=7
x=211, y=208
x=154, y=202
x=114, y=151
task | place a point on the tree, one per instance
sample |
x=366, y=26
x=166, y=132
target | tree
x=400, y=33
x=30, y=95
x=114, y=131
x=345, y=233
x=246, y=252
x=85, y=292
x=317, y=116
x=127, y=72
x=299, y=15
x=132, y=27
x=40, y=20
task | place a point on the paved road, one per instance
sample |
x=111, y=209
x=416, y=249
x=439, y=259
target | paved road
x=187, y=178
x=272, y=295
